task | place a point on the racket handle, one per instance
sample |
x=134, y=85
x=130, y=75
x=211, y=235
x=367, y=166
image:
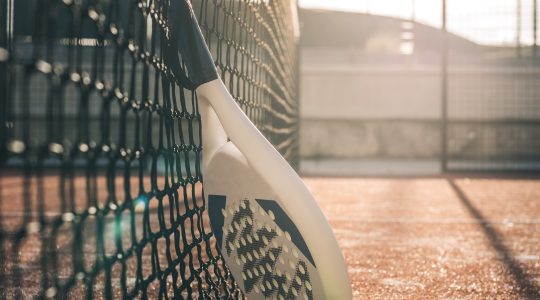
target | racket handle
x=213, y=134
x=259, y=152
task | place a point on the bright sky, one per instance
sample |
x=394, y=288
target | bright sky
x=483, y=21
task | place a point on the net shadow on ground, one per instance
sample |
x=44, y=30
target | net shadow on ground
x=415, y=238
x=527, y=287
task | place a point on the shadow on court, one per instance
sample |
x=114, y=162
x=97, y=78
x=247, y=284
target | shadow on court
x=527, y=287
x=436, y=237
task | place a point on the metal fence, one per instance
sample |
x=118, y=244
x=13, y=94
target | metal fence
x=454, y=83
x=491, y=93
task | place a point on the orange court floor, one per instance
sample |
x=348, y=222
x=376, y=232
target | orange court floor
x=438, y=237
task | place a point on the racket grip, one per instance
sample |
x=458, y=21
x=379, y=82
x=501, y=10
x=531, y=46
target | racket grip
x=213, y=134
x=259, y=152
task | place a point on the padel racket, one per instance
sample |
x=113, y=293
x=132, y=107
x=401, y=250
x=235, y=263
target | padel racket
x=272, y=234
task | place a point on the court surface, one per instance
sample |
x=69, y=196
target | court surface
x=436, y=238
x=403, y=238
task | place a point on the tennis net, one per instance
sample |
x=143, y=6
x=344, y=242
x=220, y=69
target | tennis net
x=101, y=191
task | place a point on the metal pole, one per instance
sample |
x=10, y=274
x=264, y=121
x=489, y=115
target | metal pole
x=3, y=58
x=535, y=24
x=413, y=10
x=444, y=91
x=5, y=33
x=8, y=15
x=518, y=27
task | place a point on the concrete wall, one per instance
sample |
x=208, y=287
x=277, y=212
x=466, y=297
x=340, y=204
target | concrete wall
x=354, y=111
x=353, y=139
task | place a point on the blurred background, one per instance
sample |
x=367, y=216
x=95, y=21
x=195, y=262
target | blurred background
x=419, y=86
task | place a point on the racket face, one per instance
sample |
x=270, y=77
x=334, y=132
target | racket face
x=263, y=248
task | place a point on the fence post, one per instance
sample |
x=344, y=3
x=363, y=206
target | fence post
x=6, y=32
x=535, y=24
x=518, y=27
x=413, y=10
x=444, y=91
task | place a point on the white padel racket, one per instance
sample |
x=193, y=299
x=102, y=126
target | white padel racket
x=271, y=232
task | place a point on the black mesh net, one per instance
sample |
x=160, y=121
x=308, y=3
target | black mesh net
x=100, y=178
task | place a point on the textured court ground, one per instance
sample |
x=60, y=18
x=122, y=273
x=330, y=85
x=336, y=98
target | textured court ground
x=436, y=238
x=403, y=238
